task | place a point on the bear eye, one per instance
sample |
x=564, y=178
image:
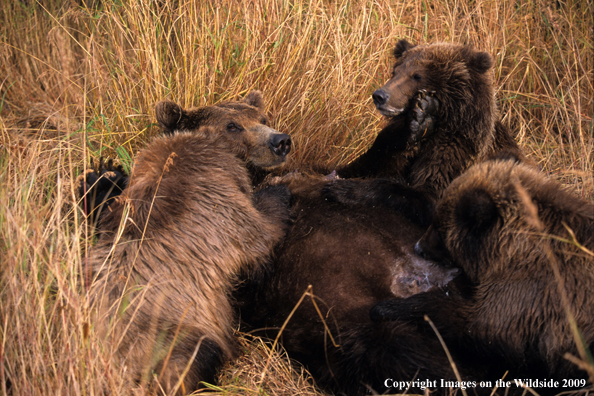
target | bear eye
x=264, y=121
x=417, y=77
x=232, y=127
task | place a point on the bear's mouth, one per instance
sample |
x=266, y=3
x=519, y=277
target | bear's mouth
x=389, y=111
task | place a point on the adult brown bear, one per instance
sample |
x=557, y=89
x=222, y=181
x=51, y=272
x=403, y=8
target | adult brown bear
x=442, y=118
x=525, y=245
x=172, y=246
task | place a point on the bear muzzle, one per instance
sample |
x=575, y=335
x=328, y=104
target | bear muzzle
x=280, y=144
x=380, y=99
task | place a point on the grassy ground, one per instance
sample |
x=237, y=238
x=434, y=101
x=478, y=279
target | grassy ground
x=80, y=79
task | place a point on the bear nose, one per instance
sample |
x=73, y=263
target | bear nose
x=380, y=97
x=280, y=144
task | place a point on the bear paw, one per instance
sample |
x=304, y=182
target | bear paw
x=388, y=193
x=423, y=115
x=347, y=192
x=275, y=202
x=100, y=185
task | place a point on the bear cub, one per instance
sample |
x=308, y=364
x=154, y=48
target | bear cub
x=172, y=246
x=524, y=244
x=443, y=118
x=103, y=182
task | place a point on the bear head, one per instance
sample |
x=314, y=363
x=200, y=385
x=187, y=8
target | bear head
x=458, y=76
x=243, y=123
x=501, y=216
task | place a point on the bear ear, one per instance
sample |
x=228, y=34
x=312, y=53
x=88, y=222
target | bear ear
x=254, y=98
x=481, y=62
x=401, y=47
x=476, y=211
x=169, y=115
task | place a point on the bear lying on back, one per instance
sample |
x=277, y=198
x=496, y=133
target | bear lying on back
x=172, y=245
x=510, y=230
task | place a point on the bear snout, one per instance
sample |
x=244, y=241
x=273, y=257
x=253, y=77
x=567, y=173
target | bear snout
x=380, y=97
x=280, y=144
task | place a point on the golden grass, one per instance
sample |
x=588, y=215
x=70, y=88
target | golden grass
x=79, y=79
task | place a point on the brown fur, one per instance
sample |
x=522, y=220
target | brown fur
x=243, y=122
x=452, y=87
x=356, y=255
x=232, y=118
x=500, y=223
x=173, y=244
x=352, y=259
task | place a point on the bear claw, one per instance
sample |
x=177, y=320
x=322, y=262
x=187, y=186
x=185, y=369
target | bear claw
x=100, y=184
x=423, y=115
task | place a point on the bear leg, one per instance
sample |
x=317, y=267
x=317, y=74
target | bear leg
x=387, y=193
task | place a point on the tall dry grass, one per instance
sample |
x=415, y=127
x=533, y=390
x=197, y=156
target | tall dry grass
x=79, y=79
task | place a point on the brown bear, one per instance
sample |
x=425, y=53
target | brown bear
x=172, y=247
x=101, y=184
x=443, y=118
x=356, y=255
x=352, y=259
x=525, y=246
